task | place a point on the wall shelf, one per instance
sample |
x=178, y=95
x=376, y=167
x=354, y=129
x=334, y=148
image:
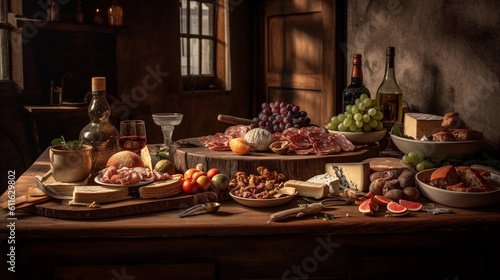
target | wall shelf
x=20, y=22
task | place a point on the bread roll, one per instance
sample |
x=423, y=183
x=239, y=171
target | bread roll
x=125, y=159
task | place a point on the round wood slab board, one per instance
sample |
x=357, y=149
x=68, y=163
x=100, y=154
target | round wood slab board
x=386, y=163
x=299, y=167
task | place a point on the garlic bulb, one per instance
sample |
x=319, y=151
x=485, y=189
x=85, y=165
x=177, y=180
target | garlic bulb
x=259, y=139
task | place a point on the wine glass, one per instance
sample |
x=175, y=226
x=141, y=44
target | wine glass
x=167, y=121
x=132, y=135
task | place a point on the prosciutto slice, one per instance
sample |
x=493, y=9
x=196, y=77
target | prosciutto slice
x=130, y=176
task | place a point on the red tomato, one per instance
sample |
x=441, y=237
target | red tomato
x=203, y=183
x=189, y=186
x=198, y=174
x=190, y=172
x=212, y=172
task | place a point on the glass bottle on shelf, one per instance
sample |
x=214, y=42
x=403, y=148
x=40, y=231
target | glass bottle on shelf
x=356, y=88
x=79, y=16
x=389, y=94
x=115, y=15
x=99, y=133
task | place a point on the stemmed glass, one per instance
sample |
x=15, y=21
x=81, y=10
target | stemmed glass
x=167, y=121
x=132, y=135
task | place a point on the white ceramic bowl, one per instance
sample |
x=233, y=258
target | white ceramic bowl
x=361, y=138
x=437, y=150
x=458, y=199
x=261, y=203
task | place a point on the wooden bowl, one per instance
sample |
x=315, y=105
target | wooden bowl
x=361, y=138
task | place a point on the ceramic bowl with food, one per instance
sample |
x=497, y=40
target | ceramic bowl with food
x=361, y=138
x=458, y=199
x=261, y=203
x=436, y=150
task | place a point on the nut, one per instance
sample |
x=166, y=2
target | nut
x=280, y=147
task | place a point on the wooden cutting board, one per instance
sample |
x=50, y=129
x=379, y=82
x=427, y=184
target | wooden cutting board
x=61, y=210
x=386, y=163
x=300, y=167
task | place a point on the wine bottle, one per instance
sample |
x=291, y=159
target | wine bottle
x=356, y=88
x=99, y=133
x=389, y=94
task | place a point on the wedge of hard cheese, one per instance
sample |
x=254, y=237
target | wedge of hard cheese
x=308, y=189
x=332, y=182
x=354, y=175
x=417, y=125
x=161, y=189
x=83, y=195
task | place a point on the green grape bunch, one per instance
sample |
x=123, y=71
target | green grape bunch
x=364, y=116
x=415, y=160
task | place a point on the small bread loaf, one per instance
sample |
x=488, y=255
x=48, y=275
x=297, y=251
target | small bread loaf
x=452, y=121
x=443, y=137
x=471, y=178
x=445, y=176
x=125, y=159
x=466, y=134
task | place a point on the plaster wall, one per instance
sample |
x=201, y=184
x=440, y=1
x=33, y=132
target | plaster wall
x=447, y=55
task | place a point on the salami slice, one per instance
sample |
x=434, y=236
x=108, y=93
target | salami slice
x=237, y=131
x=343, y=142
x=300, y=141
x=325, y=147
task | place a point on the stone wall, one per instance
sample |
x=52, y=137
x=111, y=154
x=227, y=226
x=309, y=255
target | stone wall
x=447, y=55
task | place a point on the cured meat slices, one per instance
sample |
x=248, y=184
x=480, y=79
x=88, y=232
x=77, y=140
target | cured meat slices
x=237, y=131
x=129, y=176
x=306, y=140
x=220, y=141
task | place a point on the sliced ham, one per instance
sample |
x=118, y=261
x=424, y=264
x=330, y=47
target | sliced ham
x=130, y=176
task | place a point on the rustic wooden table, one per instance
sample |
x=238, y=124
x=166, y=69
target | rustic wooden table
x=239, y=242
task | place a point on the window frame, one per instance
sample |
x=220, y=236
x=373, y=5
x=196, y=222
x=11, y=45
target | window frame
x=217, y=80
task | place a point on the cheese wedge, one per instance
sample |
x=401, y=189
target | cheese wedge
x=99, y=194
x=308, y=189
x=417, y=125
x=332, y=182
x=146, y=158
x=354, y=175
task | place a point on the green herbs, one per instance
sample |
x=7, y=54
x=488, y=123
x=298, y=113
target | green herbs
x=327, y=217
x=397, y=131
x=483, y=158
x=74, y=145
x=161, y=153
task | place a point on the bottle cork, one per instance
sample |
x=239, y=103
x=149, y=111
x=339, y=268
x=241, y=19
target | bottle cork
x=98, y=83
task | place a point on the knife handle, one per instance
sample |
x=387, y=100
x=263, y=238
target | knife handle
x=298, y=212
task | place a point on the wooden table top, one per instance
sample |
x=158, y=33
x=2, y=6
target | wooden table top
x=234, y=219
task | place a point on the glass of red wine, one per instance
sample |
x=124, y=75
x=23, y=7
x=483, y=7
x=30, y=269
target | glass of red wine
x=132, y=135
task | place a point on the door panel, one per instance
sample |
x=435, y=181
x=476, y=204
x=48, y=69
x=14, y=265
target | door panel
x=300, y=56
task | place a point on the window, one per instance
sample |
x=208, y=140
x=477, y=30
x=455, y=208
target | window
x=203, y=44
x=4, y=42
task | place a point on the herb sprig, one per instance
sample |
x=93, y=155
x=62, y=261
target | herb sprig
x=397, y=131
x=74, y=145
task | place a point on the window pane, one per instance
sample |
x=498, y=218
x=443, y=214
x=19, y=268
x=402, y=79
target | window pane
x=195, y=57
x=207, y=19
x=3, y=11
x=194, y=18
x=207, y=57
x=183, y=9
x=184, y=55
x=4, y=55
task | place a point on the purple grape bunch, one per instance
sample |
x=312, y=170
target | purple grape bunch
x=278, y=116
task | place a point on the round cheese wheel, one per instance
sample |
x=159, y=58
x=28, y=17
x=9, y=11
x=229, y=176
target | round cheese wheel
x=125, y=159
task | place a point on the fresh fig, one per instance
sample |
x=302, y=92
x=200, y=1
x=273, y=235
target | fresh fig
x=377, y=186
x=390, y=185
x=375, y=175
x=395, y=194
x=406, y=179
x=411, y=193
x=391, y=174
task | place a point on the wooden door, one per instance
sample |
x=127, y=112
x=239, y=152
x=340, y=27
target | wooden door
x=301, y=55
